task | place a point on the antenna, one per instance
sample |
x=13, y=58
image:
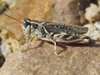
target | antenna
x=16, y=18
x=13, y=18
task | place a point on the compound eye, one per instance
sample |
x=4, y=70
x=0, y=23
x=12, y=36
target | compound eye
x=26, y=22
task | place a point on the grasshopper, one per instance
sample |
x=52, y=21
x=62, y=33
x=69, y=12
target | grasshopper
x=54, y=32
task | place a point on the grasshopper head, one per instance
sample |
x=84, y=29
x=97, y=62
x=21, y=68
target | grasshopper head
x=26, y=27
x=26, y=22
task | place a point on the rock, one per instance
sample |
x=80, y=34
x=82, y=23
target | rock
x=6, y=50
x=92, y=13
x=71, y=11
x=9, y=45
x=97, y=25
x=3, y=34
x=40, y=59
